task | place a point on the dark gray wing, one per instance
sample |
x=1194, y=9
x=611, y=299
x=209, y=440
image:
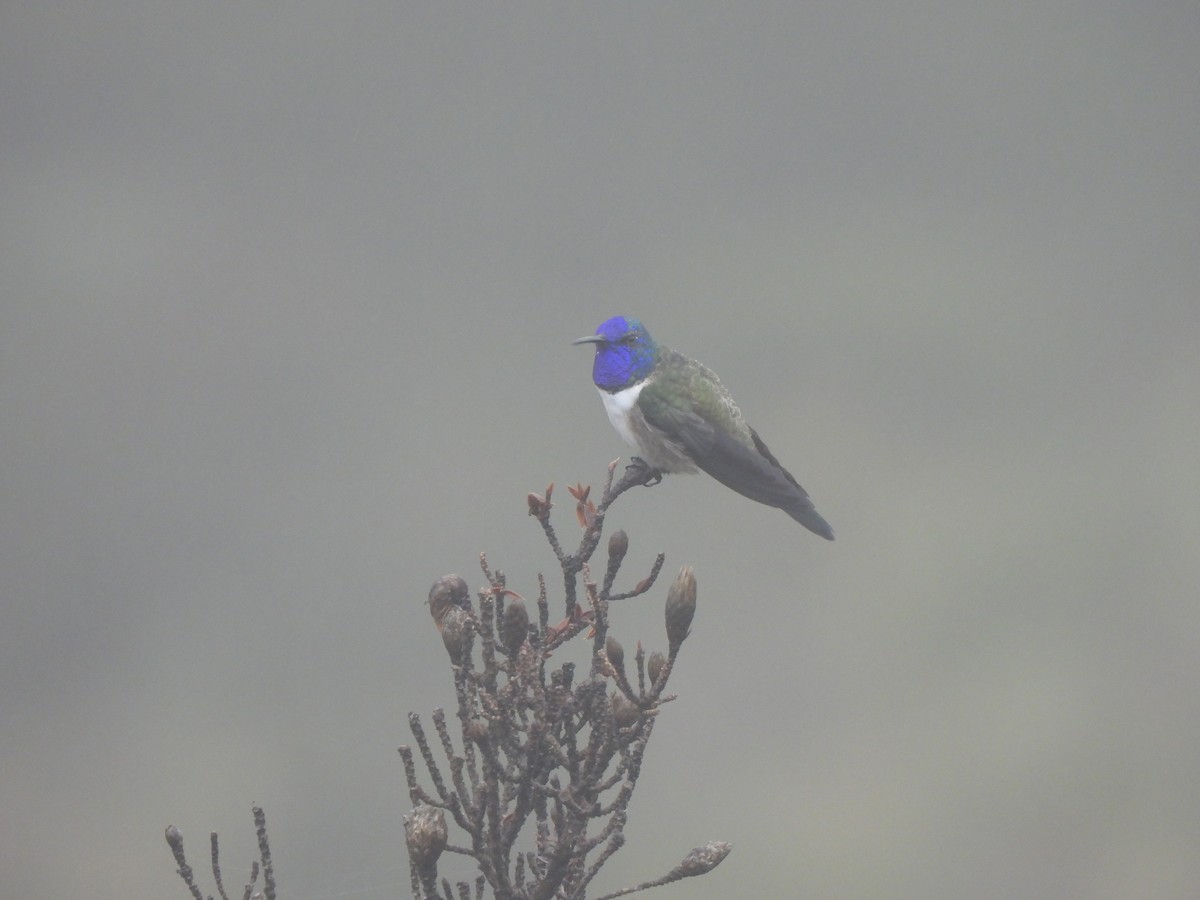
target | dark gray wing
x=753, y=472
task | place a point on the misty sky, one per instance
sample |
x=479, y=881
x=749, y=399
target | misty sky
x=287, y=293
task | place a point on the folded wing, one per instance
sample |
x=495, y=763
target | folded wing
x=752, y=471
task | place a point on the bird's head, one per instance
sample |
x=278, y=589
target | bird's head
x=625, y=353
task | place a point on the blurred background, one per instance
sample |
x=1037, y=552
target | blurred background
x=286, y=300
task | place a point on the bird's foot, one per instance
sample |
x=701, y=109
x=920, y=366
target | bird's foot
x=639, y=468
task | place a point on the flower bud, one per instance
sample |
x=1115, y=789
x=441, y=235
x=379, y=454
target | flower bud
x=681, y=606
x=704, y=859
x=515, y=627
x=654, y=665
x=478, y=730
x=447, y=591
x=426, y=834
x=615, y=653
x=457, y=634
x=618, y=546
x=625, y=713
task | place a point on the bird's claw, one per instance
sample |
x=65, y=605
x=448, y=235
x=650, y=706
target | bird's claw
x=639, y=468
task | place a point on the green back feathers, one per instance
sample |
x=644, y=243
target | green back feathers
x=681, y=386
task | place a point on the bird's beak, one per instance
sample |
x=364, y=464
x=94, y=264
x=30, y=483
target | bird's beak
x=590, y=339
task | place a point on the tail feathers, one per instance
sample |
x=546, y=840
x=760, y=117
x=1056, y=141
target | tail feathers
x=799, y=506
x=804, y=513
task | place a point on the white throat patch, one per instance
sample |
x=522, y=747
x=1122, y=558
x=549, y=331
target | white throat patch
x=618, y=406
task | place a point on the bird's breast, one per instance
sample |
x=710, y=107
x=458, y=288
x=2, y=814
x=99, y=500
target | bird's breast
x=653, y=446
x=620, y=405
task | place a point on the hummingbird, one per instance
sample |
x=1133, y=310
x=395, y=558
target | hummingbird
x=679, y=417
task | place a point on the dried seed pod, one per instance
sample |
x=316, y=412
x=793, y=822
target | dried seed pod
x=654, y=665
x=448, y=591
x=615, y=653
x=681, y=606
x=515, y=627
x=426, y=834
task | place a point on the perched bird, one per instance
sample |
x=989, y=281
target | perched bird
x=679, y=417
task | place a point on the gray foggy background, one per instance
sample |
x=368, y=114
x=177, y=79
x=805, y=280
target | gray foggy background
x=287, y=296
